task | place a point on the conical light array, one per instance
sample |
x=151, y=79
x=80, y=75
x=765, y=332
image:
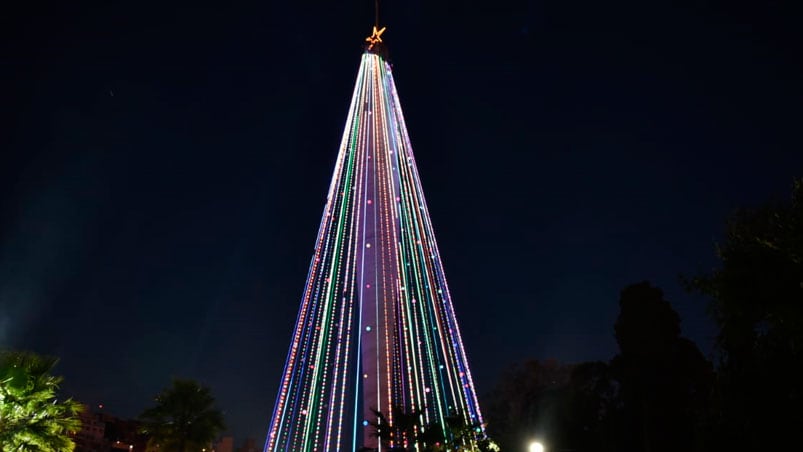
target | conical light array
x=376, y=331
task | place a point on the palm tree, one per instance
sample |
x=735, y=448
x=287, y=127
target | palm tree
x=31, y=416
x=184, y=419
x=407, y=432
x=404, y=431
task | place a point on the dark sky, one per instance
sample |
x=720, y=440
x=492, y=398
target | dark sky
x=163, y=168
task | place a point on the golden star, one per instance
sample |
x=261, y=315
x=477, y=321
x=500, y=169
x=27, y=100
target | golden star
x=376, y=37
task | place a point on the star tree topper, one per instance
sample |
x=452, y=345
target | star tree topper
x=375, y=38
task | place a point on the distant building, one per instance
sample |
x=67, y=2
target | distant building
x=102, y=432
x=90, y=437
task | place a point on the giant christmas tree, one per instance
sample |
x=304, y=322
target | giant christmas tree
x=376, y=359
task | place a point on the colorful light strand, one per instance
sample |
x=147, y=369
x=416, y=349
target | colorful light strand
x=376, y=328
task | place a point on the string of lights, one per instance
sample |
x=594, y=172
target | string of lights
x=376, y=330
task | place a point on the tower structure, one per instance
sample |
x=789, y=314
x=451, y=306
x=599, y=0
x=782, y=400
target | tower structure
x=376, y=343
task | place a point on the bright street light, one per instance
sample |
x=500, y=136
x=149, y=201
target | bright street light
x=535, y=446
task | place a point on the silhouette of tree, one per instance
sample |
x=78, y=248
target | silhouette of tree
x=407, y=432
x=402, y=432
x=652, y=397
x=31, y=416
x=184, y=419
x=528, y=400
x=592, y=408
x=757, y=302
x=665, y=381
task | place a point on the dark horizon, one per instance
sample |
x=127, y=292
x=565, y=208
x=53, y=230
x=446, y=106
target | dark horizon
x=164, y=168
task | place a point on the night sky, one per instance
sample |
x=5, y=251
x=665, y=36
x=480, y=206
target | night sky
x=164, y=166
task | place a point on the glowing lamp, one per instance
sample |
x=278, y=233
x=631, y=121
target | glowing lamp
x=535, y=446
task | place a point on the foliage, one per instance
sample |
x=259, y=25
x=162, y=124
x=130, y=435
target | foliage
x=665, y=382
x=529, y=400
x=650, y=397
x=757, y=302
x=184, y=419
x=592, y=408
x=407, y=432
x=31, y=416
x=660, y=393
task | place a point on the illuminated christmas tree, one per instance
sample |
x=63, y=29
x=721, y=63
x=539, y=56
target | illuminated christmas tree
x=376, y=359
